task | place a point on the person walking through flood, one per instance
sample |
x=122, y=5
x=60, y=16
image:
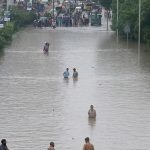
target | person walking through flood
x=66, y=73
x=3, y=146
x=92, y=112
x=75, y=73
x=88, y=145
x=51, y=147
x=46, y=47
x=53, y=23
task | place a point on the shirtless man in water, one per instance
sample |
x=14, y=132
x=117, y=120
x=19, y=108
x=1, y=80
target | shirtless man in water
x=88, y=145
x=92, y=112
x=51, y=146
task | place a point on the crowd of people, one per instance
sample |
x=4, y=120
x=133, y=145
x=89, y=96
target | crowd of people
x=66, y=14
x=63, y=20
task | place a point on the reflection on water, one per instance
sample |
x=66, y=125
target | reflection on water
x=75, y=80
x=66, y=80
x=92, y=122
x=1, y=56
x=46, y=53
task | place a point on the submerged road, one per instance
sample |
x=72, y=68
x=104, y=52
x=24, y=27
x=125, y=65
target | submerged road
x=38, y=105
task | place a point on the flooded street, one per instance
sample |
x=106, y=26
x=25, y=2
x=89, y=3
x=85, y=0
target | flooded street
x=39, y=106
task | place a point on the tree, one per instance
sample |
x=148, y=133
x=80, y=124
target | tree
x=128, y=13
x=106, y=3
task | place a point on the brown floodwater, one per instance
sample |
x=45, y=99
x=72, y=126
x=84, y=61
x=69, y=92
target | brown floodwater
x=39, y=106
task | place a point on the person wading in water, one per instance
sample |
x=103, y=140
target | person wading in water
x=3, y=146
x=46, y=47
x=66, y=73
x=88, y=145
x=75, y=73
x=51, y=146
x=92, y=112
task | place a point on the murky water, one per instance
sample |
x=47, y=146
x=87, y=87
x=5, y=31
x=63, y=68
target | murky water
x=39, y=106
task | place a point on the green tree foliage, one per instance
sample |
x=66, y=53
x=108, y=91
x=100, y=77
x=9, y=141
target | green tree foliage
x=2, y=41
x=20, y=18
x=7, y=31
x=6, y=34
x=145, y=21
x=128, y=14
x=106, y=3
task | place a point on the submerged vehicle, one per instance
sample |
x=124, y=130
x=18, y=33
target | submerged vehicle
x=96, y=18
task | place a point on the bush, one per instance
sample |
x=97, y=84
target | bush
x=7, y=31
x=20, y=18
x=2, y=42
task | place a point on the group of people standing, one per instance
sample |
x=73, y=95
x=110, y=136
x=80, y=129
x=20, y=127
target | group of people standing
x=87, y=145
x=74, y=75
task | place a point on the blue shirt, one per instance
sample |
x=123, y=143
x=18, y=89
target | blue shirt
x=66, y=74
x=3, y=147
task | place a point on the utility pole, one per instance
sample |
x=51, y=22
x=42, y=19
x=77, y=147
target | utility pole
x=53, y=9
x=117, y=21
x=7, y=5
x=107, y=19
x=139, y=34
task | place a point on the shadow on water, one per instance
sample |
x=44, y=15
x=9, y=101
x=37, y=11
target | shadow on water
x=66, y=80
x=46, y=53
x=75, y=80
x=109, y=41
